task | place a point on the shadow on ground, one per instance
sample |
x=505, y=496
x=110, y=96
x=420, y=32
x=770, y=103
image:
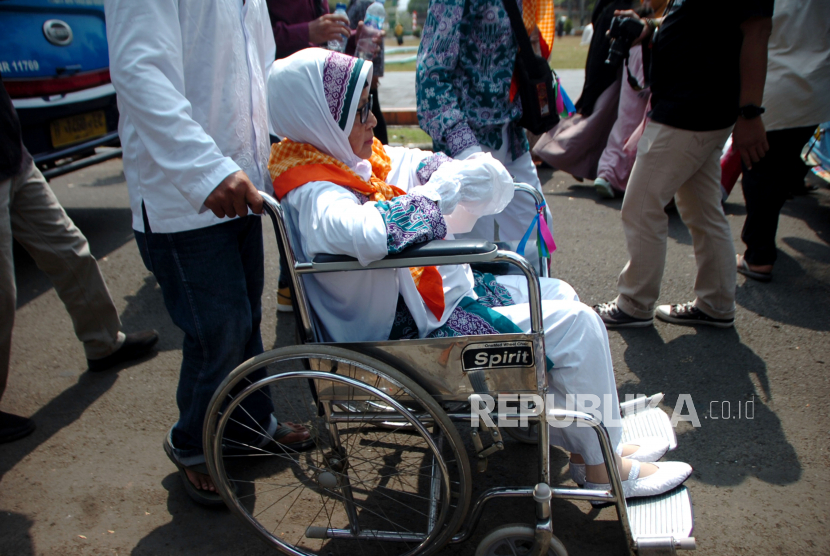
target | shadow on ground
x=15, y=535
x=144, y=310
x=799, y=293
x=730, y=390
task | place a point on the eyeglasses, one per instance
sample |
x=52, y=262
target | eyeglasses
x=365, y=109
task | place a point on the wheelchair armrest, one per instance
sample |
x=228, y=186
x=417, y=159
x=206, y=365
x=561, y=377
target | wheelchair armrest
x=437, y=252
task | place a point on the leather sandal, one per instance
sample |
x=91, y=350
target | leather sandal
x=203, y=497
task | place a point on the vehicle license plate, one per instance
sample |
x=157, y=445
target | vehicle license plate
x=77, y=128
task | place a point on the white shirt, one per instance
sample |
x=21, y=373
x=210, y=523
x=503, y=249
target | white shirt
x=797, y=91
x=327, y=218
x=190, y=77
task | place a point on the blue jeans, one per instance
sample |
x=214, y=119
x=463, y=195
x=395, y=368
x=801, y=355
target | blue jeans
x=211, y=280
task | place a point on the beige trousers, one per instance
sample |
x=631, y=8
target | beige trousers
x=685, y=165
x=31, y=214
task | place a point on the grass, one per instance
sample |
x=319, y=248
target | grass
x=406, y=135
x=567, y=53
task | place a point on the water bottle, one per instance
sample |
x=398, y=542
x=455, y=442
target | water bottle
x=372, y=25
x=339, y=45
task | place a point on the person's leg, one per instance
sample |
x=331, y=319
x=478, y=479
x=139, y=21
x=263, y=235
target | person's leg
x=616, y=163
x=582, y=377
x=203, y=275
x=699, y=205
x=8, y=289
x=41, y=226
x=380, y=128
x=766, y=187
x=666, y=158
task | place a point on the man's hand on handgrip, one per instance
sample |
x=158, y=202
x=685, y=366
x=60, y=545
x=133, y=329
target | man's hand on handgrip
x=233, y=196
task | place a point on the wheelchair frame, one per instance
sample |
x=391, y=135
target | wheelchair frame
x=447, y=384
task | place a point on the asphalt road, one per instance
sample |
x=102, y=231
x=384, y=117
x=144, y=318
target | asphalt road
x=93, y=478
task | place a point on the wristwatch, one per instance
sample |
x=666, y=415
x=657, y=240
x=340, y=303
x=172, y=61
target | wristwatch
x=750, y=111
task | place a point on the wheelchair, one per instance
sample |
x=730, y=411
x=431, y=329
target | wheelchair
x=389, y=471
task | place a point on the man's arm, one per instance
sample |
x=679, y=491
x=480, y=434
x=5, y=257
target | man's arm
x=295, y=27
x=749, y=136
x=146, y=65
x=438, y=111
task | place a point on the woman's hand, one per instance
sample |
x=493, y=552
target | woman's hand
x=329, y=27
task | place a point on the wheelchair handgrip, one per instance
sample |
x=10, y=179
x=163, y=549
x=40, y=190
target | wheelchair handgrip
x=432, y=249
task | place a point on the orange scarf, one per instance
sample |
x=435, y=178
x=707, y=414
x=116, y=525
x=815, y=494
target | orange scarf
x=537, y=13
x=292, y=165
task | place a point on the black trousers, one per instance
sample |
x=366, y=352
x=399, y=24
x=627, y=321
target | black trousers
x=766, y=187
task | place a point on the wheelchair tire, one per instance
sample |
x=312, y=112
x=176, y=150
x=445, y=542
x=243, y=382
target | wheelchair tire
x=357, y=475
x=515, y=540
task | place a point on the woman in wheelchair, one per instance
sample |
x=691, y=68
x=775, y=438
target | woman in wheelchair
x=344, y=193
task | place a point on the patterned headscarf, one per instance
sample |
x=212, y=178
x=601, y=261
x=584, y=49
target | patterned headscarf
x=313, y=97
x=316, y=147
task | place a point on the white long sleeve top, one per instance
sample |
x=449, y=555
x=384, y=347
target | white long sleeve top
x=327, y=218
x=190, y=77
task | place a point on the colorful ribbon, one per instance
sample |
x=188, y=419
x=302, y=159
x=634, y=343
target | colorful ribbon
x=544, y=238
x=564, y=107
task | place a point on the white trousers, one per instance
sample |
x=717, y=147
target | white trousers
x=577, y=343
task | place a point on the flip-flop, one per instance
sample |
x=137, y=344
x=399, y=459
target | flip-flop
x=284, y=430
x=203, y=497
x=743, y=268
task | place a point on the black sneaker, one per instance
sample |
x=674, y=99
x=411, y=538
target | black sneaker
x=690, y=315
x=614, y=317
x=135, y=345
x=13, y=427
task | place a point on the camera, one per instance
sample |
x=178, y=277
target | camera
x=623, y=32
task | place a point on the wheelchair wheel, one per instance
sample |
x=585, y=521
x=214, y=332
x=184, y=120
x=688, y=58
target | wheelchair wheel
x=363, y=487
x=515, y=540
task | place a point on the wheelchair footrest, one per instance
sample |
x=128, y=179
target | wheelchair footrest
x=662, y=524
x=641, y=417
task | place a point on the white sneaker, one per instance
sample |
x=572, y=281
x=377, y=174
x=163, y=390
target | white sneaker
x=603, y=187
x=651, y=449
x=669, y=475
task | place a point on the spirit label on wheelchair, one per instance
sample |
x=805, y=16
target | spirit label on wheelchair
x=497, y=355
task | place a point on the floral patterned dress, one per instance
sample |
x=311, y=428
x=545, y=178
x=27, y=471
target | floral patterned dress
x=465, y=66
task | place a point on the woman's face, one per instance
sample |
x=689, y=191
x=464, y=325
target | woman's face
x=362, y=135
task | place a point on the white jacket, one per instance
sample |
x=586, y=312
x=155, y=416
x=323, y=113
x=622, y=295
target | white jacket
x=190, y=77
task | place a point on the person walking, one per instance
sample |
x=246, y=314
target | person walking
x=679, y=155
x=31, y=214
x=796, y=102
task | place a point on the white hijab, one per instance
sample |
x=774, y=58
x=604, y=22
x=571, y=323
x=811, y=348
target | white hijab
x=313, y=97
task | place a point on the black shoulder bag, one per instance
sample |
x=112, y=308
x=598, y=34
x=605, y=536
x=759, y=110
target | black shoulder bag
x=535, y=79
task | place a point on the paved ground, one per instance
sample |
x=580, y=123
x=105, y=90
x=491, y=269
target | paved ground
x=93, y=478
x=397, y=88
